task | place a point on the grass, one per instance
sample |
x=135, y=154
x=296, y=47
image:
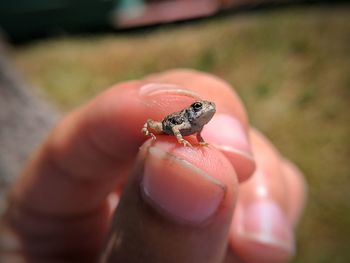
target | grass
x=291, y=67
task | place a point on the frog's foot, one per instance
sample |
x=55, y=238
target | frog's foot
x=152, y=136
x=146, y=132
x=185, y=143
x=200, y=139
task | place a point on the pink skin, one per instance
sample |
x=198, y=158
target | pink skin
x=268, y=207
x=70, y=187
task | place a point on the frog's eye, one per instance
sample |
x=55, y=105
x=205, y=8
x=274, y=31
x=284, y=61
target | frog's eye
x=197, y=106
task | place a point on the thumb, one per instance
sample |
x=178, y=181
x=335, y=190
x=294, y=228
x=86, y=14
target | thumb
x=176, y=207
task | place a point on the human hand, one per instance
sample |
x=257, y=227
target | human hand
x=177, y=204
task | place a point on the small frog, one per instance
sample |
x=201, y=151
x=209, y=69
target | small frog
x=185, y=122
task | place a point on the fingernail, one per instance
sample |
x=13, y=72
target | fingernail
x=228, y=134
x=178, y=189
x=265, y=223
x=152, y=89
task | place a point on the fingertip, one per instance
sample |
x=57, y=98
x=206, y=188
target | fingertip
x=190, y=183
x=297, y=188
x=187, y=194
x=228, y=134
x=178, y=188
x=261, y=230
x=261, y=233
x=228, y=128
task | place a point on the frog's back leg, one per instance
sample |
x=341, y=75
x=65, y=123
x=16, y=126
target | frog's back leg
x=155, y=126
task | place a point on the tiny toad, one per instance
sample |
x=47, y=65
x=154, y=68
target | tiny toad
x=185, y=122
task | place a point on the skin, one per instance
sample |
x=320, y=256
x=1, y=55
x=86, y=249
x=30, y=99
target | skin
x=185, y=122
x=62, y=208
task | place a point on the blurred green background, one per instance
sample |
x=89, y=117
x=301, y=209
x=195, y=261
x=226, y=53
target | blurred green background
x=291, y=66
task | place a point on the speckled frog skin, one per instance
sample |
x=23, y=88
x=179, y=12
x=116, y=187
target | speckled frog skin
x=185, y=122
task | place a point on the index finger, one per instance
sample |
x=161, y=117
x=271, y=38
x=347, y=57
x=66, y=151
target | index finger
x=228, y=130
x=91, y=146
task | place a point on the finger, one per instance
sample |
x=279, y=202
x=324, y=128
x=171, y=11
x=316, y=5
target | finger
x=104, y=136
x=296, y=189
x=84, y=158
x=261, y=230
x=89, y=149
x=59, y=205
x=177, y=206
x=228, y=130
x=82, y=161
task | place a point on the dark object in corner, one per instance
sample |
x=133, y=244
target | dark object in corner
x=23, y=19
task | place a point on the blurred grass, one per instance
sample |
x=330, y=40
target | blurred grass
x=290, y=66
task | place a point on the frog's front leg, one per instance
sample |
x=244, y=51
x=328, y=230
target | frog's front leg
x=176, y=130
x=200, y=139
x=154, y=125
